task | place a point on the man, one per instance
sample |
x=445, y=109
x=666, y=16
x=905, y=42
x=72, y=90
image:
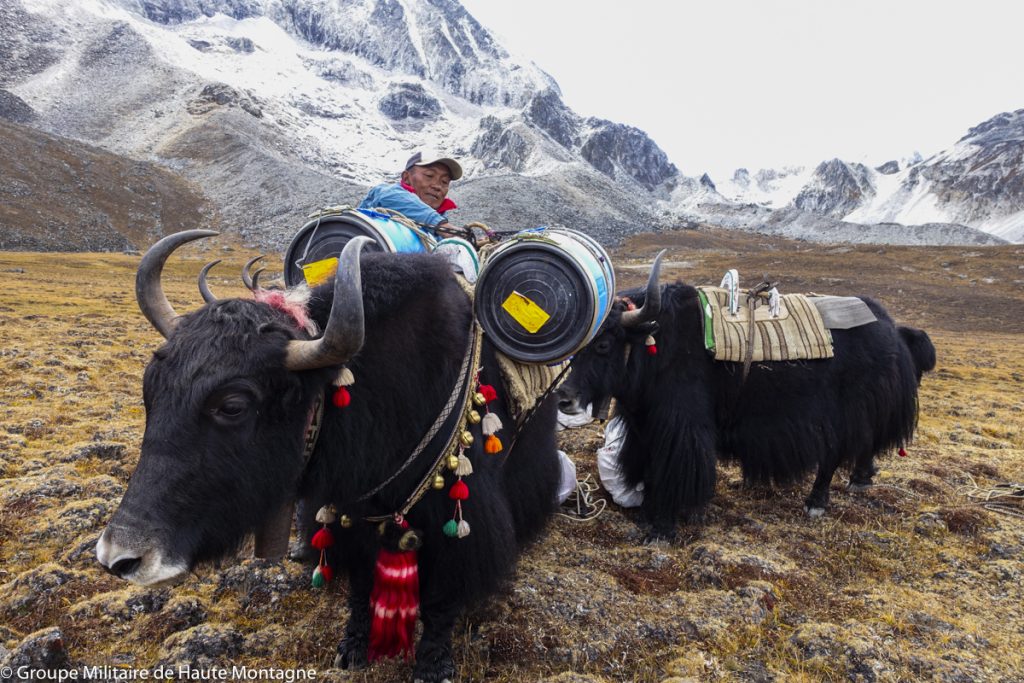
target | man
x=422, y=194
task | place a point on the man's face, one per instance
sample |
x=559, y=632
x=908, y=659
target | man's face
x=429, y=182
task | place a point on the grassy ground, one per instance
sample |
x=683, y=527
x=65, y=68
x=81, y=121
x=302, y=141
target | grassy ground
x=917, y=579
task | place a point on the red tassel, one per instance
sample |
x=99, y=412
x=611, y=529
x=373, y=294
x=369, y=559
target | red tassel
x=394, y=605
x=341, y=397
x=902, y=453
x=322, y=539
x=652, y=350
x=488, y=391
x=459, y=491
x=326, y=572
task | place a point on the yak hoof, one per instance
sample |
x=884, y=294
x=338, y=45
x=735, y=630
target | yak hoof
x=351, y=655
x=814, y=512
x=858, y=487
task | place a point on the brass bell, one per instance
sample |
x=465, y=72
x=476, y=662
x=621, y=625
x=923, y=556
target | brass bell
x=473, y=417
x=466, y=439
x=438, y=482
x=345, y=521
x=453, y=462
x=478, y=399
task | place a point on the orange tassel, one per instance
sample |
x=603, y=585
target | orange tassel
x=492, y=444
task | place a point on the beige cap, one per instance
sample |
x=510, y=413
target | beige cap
x=426, y=159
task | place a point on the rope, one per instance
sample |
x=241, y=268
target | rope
x=1006, y=498
x=587, y=509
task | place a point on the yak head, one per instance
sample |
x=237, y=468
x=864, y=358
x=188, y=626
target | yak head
x=599, y=370
x=228, y=399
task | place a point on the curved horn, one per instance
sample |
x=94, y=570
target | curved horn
x=204, y=288
x=246, y=277
x=652, y=301
x=256, y=278
x=148, y=291
x=343, y=336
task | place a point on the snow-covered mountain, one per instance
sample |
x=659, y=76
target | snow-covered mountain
x=978, y=182
x=278, y=107
x=271, y=109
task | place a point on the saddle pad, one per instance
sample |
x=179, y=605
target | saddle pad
x=797, y=333
x=842, y=312
x=526, y=382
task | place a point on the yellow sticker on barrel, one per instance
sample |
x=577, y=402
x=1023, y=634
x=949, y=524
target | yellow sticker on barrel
x=319, y=272
x=525, y=312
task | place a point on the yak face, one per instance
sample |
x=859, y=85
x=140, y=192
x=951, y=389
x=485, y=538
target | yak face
x=222, y=449
x=599, y=370
x=228, y=399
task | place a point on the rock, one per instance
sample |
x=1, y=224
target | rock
x=549, y=113
x=889, y=167
x=409, y=101
x=13, y=108
x=836, y=189
x=614, y=147
x=42, y=650
x=852, y=647
x=201, y=647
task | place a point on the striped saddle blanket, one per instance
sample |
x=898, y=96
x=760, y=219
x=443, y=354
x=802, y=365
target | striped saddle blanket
x=795, y=332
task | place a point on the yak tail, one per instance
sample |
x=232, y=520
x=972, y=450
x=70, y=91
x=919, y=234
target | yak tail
x=921, y=349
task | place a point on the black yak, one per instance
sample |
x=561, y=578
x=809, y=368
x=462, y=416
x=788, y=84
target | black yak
x=229, y=398
x=683, y=410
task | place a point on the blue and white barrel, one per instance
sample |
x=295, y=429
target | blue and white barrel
x=312, y=256
x=543, y=295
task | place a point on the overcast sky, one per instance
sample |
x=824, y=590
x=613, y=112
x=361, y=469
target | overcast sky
x=720, y=84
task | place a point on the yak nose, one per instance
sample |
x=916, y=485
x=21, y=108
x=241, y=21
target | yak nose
x=119, y=561
x=144, y=563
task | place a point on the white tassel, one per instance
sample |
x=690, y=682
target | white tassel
x=649, y=341
x=327, y=514
x=465, y=467
x=491, y=424
x=345, y=378
x=463, y=529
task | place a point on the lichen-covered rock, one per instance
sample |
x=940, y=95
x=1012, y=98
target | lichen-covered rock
x=851, y=647
x=260, y=584
x=35, y=587
x=42, y=650
x=124, y=605
x=202, y=647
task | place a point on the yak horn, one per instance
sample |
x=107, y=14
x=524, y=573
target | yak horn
x=204, y=288
x=343, y=336
x=148, y=290
x=652, y=300
x=246, y=277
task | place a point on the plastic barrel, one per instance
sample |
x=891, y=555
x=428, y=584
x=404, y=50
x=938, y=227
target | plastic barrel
x=309, y=255
x=544, y=294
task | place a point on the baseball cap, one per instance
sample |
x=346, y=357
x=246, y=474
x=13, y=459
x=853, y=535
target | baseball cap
x=427, y=158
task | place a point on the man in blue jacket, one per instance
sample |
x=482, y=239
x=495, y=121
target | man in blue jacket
x=422, y=193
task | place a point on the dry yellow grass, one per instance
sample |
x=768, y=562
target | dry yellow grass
x=913, y=580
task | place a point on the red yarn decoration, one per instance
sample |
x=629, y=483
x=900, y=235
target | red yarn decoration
x=394, y=604
x=326, y=572
x=322, y=539
x=652, y=350
x=488, y=391
x=902, y=453
x=341, y=397
x=459, y=491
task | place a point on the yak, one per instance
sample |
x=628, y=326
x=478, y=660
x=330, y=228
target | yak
x=683, y=410
x=231, y=395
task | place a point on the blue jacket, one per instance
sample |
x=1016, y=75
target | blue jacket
x=397, y=198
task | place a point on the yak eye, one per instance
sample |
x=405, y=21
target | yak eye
x=230, y=407
x=602, y=346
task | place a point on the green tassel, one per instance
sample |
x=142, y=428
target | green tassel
x=451, y=528
x=318, y=579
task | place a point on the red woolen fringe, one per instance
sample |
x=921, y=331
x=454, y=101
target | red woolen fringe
x=394, y=605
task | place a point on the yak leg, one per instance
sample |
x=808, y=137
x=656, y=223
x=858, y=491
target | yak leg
x=352, y=650
x=816, y=503
x=680, y=474
x=863, y=471
x=434, y=662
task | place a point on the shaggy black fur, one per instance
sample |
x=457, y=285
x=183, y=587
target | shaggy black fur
x=224, y=436
x=683, y=410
